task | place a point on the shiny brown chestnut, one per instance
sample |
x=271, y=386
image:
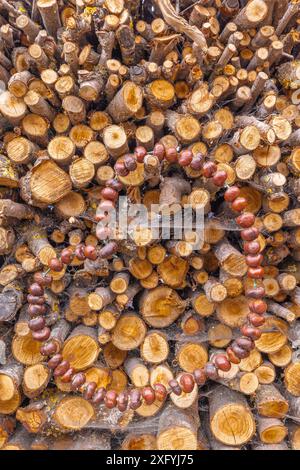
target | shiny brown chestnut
x=140, y=153
x=148, y=395
x=232, y=356
x=66, y=256
x=252, y=248
x=245, y=343
x=159, y=151
x=110, y=399
x=114, y=184
x=49, y=349
x=239, y=352
x=121, y=169
x=135, y=400
x=239, y=204
x=61, y=369
x=209, y=169
x=245, y=220
x=185, y=158
x=36, y=289
x=232, y=193
x=256, y=293
x=37, y=323
x=255, y=273
x=197, y=162
x=160, y=392
x=89, y=390
x=253, y=261
x=219, y=178
x=256, y=320
x=90, y=252
x=222, y=363
x=110, y=194
x=122, y=401
x=77, y=381
x=249, y=234
x=171, y=155
x=36, y=310
x=56, y=265
x=251, y=332
x=187, y=383
x=175, y=387
x=211, y=371
x=67, y=377
x=108, y=250
x=55, y=361
x=42, y=279
x=130, y=163
x=199, y=376
x=99, y=396
x=34, y=299
x=258, y=306
x=79, y=253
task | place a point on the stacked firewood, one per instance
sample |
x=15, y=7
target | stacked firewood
x=170, y=103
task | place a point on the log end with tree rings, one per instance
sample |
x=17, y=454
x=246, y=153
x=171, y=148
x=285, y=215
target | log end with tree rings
x=161, y=307
x=73, y=413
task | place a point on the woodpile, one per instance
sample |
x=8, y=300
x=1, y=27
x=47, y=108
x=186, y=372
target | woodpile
x=147, y=341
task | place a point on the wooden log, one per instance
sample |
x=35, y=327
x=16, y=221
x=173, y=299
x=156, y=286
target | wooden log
x=161, y=306
x=227, y=406
x=87, y=440
x=50, y=15
x=270, y=403
x=7, y=427
x=137, y=371
x=21, y=440
x=191, y=354
x=11, y=299
x=10, y=380
x=291, y=377
x=271, y=430
x=129, y=332
x=37, y=187
x=232, y=261
x=265, y=373
x=126, y=103
x=35, y=380
x=155, y=347
x=81, y=337
x=100, y=298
